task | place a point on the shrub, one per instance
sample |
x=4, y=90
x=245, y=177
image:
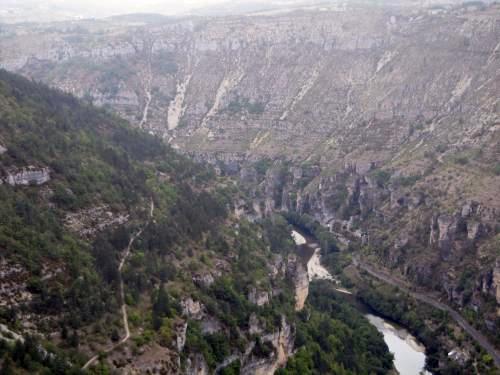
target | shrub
x=496, y=169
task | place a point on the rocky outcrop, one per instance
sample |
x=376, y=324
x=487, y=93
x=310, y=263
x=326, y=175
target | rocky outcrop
x=297, y=272
x=254, y=327
x=203, y=280
x=369, y=149
x=378, y=103
x=90, y=221
x=283, y=344
x=192, y=309
x=180, y=335
x=13, y=284
x=28, y=176
x=496, y=282
x=273, y=185
x=258, y=297
x=447, y=229
x=196, y=365
x=210, y=325
x=3, y=149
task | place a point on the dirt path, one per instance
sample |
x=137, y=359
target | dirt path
x=126, y=254
x=434, y=302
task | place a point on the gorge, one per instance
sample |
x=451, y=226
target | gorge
x=409, y=357
x=375, y=125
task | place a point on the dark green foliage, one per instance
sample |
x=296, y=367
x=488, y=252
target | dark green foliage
x=261, y=349
x=381, y=177
x=161, y=307
x=391, y=304
x=106, y=259
x=406, y=181
x=262, y=166
x=197, y=343
x=462, y=160
x=334, y=338
x=94, y=159
x=441, y=148
x=496, y=169
x=232, y=369
x=30, y=357
x=278, y=234
x=219, y=346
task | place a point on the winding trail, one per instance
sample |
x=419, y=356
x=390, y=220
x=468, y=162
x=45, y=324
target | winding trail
x=434, y=302
x=126, y=254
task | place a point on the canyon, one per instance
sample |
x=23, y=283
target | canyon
x=381, y=123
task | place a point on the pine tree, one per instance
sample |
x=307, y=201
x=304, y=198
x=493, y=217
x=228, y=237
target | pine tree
x=161, y=307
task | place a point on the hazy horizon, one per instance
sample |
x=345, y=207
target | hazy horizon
x=13, y=11
x=61, y=9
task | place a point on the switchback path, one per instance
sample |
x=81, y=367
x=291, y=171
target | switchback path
x=126, y=254
x=430, y=300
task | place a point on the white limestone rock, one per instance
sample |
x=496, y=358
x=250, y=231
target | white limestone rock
x=28, y=176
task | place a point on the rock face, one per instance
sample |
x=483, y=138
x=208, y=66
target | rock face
x=381, y=124
x=283, y=343
x=28, y=176
x=258, y=297
x=196, y=365
x=430, y=241
x=192, y=309
x=297, y=272
x=203, y=280
x=88, y=222
x=180, y=340
x=13, y=284
x=264, y=85
x=496, y=281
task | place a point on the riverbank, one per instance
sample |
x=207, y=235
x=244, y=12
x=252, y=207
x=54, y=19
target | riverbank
x=409, y=354
x=435, y=303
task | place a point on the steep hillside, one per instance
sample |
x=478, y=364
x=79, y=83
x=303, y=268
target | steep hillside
x=117, y=254
x=380, y=123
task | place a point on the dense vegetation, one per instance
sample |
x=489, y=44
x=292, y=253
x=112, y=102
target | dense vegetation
x=429, y=325
x=97, y=160
x=313, y=228
x=334, y=338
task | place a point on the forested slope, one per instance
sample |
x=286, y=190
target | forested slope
x=203, y=288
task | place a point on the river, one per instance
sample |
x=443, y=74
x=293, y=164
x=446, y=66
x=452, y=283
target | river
x=409, y=354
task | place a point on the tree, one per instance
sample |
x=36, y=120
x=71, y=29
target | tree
x=161, y=307
x=74, y=339
x=8, y=366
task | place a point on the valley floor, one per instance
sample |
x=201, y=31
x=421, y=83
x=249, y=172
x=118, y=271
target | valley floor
x=434, y=302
